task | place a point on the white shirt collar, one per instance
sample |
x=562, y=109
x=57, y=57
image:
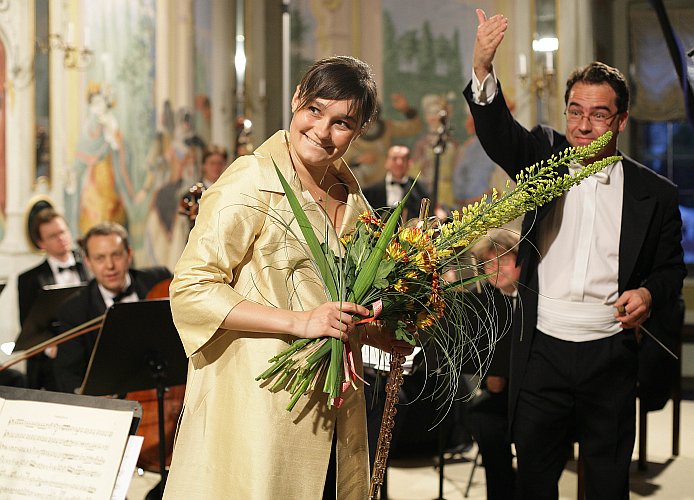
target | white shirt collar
x=108, y=295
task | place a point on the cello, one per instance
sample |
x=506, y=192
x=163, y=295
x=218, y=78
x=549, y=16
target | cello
x=149, y=459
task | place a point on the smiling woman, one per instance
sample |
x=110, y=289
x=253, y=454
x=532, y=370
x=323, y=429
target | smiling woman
x=244, y=288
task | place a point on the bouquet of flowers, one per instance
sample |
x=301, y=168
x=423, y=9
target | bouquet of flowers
x=398, y=272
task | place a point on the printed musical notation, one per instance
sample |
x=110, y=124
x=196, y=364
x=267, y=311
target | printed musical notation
x=50, y=450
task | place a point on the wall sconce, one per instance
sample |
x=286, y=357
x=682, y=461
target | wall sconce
x=542, y=78
x=539, y=79
x=74, y=57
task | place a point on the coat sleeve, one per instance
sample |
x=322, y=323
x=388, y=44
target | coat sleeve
x=507, y=142
x=232, y=215
x=668, y=270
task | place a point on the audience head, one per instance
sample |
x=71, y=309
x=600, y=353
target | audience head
x=498, y=251
x=214, y=161
x=436, y=109
x=597, y=100
x=51, y=233
x=398, y=161
x=108, y=255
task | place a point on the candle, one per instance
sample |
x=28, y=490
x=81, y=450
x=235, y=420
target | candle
x=87, y=37
x=522, y=65
x=70, y=37
x=549, y=61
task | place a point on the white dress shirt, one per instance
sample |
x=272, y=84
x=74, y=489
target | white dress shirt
x=108, y=296
x=64, y=276
x=395, y=190
x=578, y=243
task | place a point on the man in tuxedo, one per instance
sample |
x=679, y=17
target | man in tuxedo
x=62, y=266
x=595, y=265
x=108, y=255
x=388, y=192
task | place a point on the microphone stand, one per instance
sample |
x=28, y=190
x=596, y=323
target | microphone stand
x=439, y=148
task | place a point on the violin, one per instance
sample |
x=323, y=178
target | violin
x=190, y=202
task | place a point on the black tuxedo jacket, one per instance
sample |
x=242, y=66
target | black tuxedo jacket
x=375, y=194
x=30, y=283
x=73, y=356
x=650, y=249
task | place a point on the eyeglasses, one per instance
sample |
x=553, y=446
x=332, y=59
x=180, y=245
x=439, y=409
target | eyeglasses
x=595, y=118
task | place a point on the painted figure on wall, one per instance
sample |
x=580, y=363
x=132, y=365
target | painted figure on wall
x=102, y=178
x=173, y=166
x=437, y=112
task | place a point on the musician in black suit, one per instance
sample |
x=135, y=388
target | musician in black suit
x=388, y=192
x=108, y=255
x=595, y=264
x=62, y=266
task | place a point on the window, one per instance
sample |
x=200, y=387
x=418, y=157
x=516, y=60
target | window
x=668, y=148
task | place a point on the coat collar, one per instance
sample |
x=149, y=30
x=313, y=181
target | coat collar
x=277, y=148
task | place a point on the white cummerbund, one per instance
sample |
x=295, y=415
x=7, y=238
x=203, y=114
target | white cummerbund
x=576, y=321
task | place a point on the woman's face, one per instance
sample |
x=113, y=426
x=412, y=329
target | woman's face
x=322, y=130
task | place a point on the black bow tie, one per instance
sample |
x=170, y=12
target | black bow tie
x=399, y=183
x=124, y=293
x=73, y=267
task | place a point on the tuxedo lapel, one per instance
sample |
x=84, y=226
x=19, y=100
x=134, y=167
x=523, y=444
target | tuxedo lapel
x=81, y=267
x=638, y=208
x=45, y=275
x=96, y=306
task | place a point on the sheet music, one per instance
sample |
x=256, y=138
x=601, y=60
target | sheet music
x=50, y=450
x=127, y=467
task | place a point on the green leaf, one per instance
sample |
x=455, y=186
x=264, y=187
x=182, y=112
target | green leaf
x=385, y=268
x=367, y=274
x=311, y=240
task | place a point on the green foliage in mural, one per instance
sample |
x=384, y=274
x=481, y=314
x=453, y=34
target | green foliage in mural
x=416, y=63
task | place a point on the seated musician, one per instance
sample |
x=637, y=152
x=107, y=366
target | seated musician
x=62, y=266
x=108, y=256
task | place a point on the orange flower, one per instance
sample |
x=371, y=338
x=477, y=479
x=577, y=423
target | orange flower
x=426, y=260
x=424, y=319
x=368, y=218
x=394, y=251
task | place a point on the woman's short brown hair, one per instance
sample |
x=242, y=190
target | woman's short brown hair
x=341, y=78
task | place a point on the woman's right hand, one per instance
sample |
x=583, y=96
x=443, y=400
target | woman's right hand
x=332, y=319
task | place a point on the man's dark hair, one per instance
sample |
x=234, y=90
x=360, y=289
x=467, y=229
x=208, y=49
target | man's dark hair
x=43, y=216
x=597, y=73
x=104, y=229
x=341, y=78
x=213, y=149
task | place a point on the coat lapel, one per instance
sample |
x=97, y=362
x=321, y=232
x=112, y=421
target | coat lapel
x=276, y=148
x=637, y=210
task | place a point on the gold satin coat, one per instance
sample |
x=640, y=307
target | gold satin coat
x=236, y=439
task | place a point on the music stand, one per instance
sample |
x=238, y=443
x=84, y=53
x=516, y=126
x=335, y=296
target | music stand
x=44, y=310
x=21, y=393
x=138, y=348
